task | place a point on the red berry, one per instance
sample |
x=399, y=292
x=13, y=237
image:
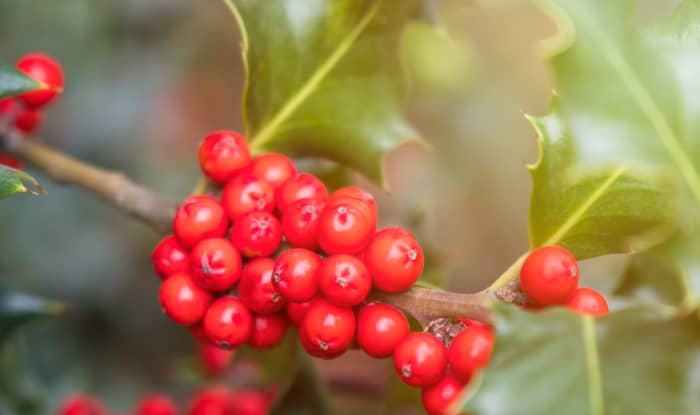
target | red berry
x=470, y=351
x=228, y=322
x=183, y=300
x=296, y=274
x=169, y=257
x=245, y=193
x=273, y=168
x=199, y=217
x=438, y=398
x=549, y=275
x=296, y=311
x=216, y=265
x=222, y=154
x=156, y=405
x=300, y=186
x=344, y=280
x=300, y=222
x=394, y=259
x=359, y=194
x=215, y=400
x=81, y=404
x=42, y=68
x=589, y=302
x=250, y=403
x=420, y=359
x=10, y=161
x=380, y=328
x=344, y=228
x=328, y=329
x=27, y=120
x=256, y=289
x=215, y=360
x=268, y=331
x=256, y=234
x=9, y=107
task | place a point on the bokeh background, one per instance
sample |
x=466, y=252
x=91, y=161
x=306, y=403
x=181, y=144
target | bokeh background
x=146, y=80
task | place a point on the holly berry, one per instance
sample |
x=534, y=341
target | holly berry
x=296, y=274
x=28, y=120
x=549, y=275
x=344, y=228
x=81, y=404
x=216, y=265
x=199, y=217
x=438, y=398
x=296, y=311
x=228, y=322
x=183, y=300
x=588, y=301
x=380, y=328
x=246, y=193
x=256, y=289
x=327, y=329
x=250, y=403
x=43, y=68
x=274, y=168
x=256, y=234
x=344, y=280
x=156, y=405
x=10, y=161
x=268, y=331
x=215, y=360
x=300, y=222
x=394, y=259
x=222, y=154
x=300, y=186
x=420, y=359
x=360, y=195
x=215, y=400
x=170, y=257
x=470, y=351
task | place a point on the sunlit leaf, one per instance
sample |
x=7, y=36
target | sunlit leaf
x=13, y=181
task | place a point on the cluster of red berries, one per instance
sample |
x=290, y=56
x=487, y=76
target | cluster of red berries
x=24, y=111
x=213, y=400
x=550, y=275
x=276, y=249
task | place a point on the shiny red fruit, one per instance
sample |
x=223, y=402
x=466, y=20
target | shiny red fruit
x=256, y=234
x=41, y=67
x=327, y=329
x=250, y=402
x=27, y=121
x=380, y=328
x=214, y=400
x=170, y=257
x=588, y=301
x=223, y=154
x=295, y=274
x=81, y=404
x=470, y=351
x=300, y=223
x=549, y=275
x=199, y=217
x=394, y=259
x=438, y=398
x=246, y=193
x=273, y=168
x=358, y=194
x=228, y=323
x=216, y=264
x=344, y=228
x=420, y=359
x=344, y=280
x=300, y=186
x=256, y=289
x=215, y=360
x=156, y=405
x=268, y=331
x=297, y=310
x=183, y=300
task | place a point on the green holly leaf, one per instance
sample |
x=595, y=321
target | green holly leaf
x=323, y=78
x=13, y=82
x=17, y=309
x=636, y=361
x=13, y=181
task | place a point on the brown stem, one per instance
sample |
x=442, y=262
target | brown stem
x=112, y=186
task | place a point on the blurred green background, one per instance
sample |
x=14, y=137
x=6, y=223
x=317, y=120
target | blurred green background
x=147, y=79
